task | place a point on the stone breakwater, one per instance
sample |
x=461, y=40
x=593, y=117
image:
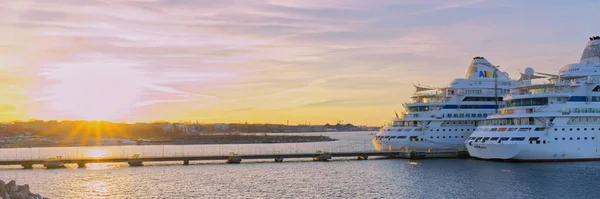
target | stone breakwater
x=248, y=139
x=11, y=190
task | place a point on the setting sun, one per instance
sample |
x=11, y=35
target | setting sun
x=93, y=91
x=96, y=153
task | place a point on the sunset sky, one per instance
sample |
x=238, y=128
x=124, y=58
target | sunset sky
x=265, y=61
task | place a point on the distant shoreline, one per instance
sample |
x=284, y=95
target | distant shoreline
x=181, y=140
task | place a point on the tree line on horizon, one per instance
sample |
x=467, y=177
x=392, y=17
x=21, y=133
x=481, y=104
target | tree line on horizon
x=86, y=129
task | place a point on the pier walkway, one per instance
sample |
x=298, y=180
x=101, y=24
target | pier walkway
x=136, y=160
x=138, y=155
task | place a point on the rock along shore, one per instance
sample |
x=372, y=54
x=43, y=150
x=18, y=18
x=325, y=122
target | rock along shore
x=14, y=191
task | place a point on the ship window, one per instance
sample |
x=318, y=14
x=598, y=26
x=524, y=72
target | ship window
x=501, y=129
x=563, y=129
x=524, y=129
x=545, y=142
x=555, y=129
x=585, y=138
x=443, y=129
x=585, y=129
x=462, y=136
x=477, y=139
x=485, y=139
x=449, y=115
x=517, y=139
x=401, y=137
x=418, y=108
x=527, y=102
x=555, y=138
x=485, y=115
x=431, y=137
x=479, y=115
x=494, y=138
x=504, y=138
x=570, y=138
x=449, y=129
x=533, y=138
x=386, y=136
x=493, y=129
x=462, y=129
x=539, y=129
x=438, y=137
x=578, y=138
x=399, y=130
x=512, y=129
x=437, y=130
x=443, y=136
x=596, y=89
x=393, y=137
x=577, y=129
x=570, y=129
x=563, y=138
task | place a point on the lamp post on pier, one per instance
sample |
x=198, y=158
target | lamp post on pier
x=495, y=75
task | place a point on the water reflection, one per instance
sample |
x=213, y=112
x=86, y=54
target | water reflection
x=99, y=166
x=389, y=178
x=347, y=142
x=97, y=189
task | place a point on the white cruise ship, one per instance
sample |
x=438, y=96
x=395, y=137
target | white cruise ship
x=442, y=118
x=556, y=121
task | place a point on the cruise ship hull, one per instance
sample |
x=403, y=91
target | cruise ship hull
x=425, y=145
x=420, y=142
x=552, y=150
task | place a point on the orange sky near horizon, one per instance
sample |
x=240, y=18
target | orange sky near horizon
x=264, y=61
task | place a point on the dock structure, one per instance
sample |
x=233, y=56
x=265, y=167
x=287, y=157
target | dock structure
x=232, y=158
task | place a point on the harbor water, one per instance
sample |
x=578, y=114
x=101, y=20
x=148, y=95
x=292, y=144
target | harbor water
x=380, y=178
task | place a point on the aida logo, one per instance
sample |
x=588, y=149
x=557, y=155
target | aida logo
x=484, y=73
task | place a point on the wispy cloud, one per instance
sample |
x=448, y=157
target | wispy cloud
x=286, y=58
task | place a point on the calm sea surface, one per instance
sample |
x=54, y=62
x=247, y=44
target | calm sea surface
x=382, y=178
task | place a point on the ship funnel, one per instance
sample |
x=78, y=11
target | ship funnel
x=591, y=53
x=482, y=68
